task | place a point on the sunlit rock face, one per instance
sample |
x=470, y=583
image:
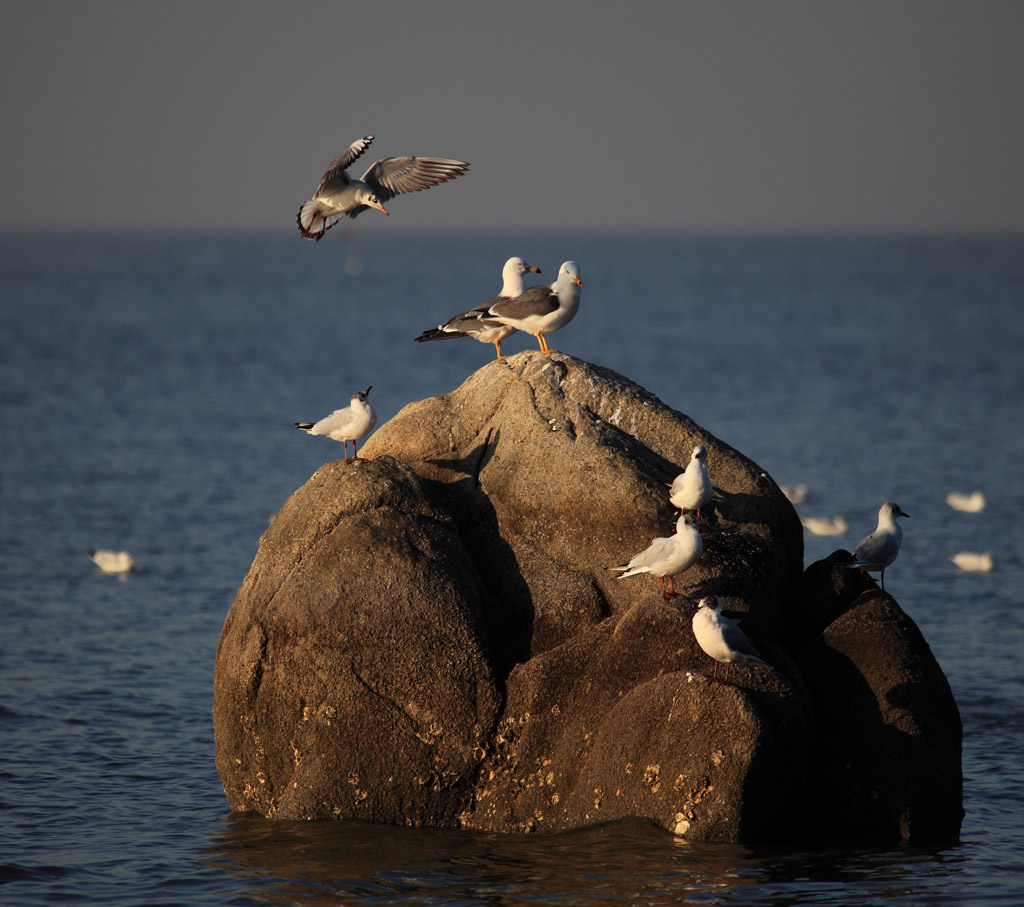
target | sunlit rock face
x=432, y=636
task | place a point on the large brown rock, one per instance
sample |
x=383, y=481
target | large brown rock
x=353, y=677
x=432, y=636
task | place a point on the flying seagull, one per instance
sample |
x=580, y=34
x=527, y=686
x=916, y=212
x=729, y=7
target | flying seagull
x=721, y=638
x=353, y=422
x=541, y=310
x=878, y=550
x=339, y=194
x=668, y=557
x=478, y=323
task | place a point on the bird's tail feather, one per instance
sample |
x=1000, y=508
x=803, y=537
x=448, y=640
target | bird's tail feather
x=305, y=426
x=312, y=222
x=438, y=333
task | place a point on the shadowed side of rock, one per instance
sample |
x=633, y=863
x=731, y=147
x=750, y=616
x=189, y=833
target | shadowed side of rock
x=886, y=761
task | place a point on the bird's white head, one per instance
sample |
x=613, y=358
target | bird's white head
x=360, y=396
x=699, y=453
x=712, y=604
x=893, y=510
x=687, y=519
x=515, y=266
x=570, y=272
x=368, y=197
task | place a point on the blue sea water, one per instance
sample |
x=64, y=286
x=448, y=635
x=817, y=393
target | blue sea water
x=148, y=386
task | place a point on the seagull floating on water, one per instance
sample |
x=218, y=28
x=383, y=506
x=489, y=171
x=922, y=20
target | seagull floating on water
x=795, y=494
x=112, y=561
x=966, y=503
x=543, y=309
x=339, y=194
x=353, y=422
x=692, y=489
x=878, y=550
x=818, y=525
x=974, y=562
x=668, y=557
x=478, y=323
x=721, y=638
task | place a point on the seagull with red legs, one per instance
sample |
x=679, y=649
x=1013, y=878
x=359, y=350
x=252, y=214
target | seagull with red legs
x=721, y=638
x=340, y=194
x=353, y=422
x=668, y=557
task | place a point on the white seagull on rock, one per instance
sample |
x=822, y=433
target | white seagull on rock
x=692, y=489
x=339, y=194
x=478, y=323
x=878, y=550
x=112, y=561
x=668, y=557
x=541, y=310
x=721, y=638
x=353, y=422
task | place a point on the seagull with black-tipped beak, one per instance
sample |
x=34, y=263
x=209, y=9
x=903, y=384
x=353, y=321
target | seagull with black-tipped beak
x=543, y=309
x=478, y=323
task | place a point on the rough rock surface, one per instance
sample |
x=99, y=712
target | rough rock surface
x=432, y=636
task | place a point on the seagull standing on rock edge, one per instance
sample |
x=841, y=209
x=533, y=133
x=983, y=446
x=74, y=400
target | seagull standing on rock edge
x=721, y=638
x=339, y=194
x=668, y=557
x=478, y=323
x=541, y=310
x=692, y=489
x=878, y=550
x=353, y=422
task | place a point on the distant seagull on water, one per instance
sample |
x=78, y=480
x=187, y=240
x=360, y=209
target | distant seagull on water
x=721, y=638
x=795, y=494
x=966, y=503
x=111, y=561
x=478, y=323
x=339, y=194
x=878, y=550
x=541, y=310
x=353, y=422
x=819, y=525
x=974, y=562
x=668, y=557
x=692, y=489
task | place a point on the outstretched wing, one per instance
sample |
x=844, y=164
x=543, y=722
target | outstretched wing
x=335, y=171
x=392, y=176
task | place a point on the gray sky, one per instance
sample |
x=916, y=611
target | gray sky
x=649, y=115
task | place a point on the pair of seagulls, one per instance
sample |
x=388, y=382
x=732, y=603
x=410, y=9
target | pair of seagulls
x=668, y=557
x=537, y=310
